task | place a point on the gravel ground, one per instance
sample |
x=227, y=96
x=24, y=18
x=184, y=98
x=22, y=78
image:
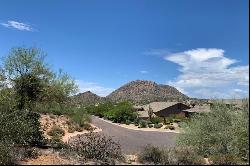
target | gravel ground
x=132, y=140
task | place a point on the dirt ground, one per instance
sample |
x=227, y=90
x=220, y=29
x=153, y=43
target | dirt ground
x=49, y=120
x=49, y=156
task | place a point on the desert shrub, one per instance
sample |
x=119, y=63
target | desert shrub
x=97, y=147
x=142, y=124
x=128, y=122
x=157, y=126
x=176, y=120
x=57, y=143
x=223, y=131
x=88, y=127
x=56, y=131
x=156, y=120
x=150, y=125
x=80, y=118
x=79, y=129
x=226, y=159
x=151, y=154
x=20, y=127
x=168, y=123
x=187, y=156
x=169, y=156
x=71, y=128
x=136, y=121
x=170, y=127
x=7, y=156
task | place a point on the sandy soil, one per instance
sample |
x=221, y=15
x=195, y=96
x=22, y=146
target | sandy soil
x=50, y=159
x=133, y=127
x=49, y=120
x=55, y=159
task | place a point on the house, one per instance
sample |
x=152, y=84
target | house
x=164, y=109
x=198, y=109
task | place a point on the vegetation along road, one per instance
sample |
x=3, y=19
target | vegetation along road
x=133, y=140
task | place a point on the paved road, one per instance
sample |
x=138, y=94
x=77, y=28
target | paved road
x=133, y=140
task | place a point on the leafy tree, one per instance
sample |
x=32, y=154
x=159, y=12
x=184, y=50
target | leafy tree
x=59, y=88
x=7, y=102
x=31, y=79
x=121, y=112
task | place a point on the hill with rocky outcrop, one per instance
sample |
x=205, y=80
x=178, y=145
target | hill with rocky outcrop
x=141, y=91
x=87, y=98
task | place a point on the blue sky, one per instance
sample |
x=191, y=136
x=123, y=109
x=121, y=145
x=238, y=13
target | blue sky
x=198, y=46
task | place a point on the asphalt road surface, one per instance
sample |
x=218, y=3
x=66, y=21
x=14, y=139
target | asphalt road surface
x=133, y=140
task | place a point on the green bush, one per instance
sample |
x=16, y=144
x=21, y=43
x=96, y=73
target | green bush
x=80, y=118
x=150, y=125
x=151, y=154
x=169, y=156
x=142, y=124
x=101, y=109
x=21, y=127
x=176, y=120
x=56, y=131
x=223, y=131
x=225, y=159
x=7, y=156
x=156, y=120
x=128, y=122
x=157, y=126
x=187, y=156
x=136, y=121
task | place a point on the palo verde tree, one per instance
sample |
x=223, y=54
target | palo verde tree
x=25, y=71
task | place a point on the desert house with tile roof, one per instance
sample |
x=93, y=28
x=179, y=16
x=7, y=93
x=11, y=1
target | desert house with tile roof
x=163, y=109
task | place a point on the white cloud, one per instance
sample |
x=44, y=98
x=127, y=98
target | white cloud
x=182, y=90
x=93, y=87
x=17, y=25
x=239, y=90
x=207, y=72
x=144, y=72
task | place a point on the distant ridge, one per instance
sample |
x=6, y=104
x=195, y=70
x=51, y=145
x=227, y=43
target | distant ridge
x=142, y=91
x=87, y=98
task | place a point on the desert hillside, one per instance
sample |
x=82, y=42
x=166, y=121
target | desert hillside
x=87, y=98
x=141, y=91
